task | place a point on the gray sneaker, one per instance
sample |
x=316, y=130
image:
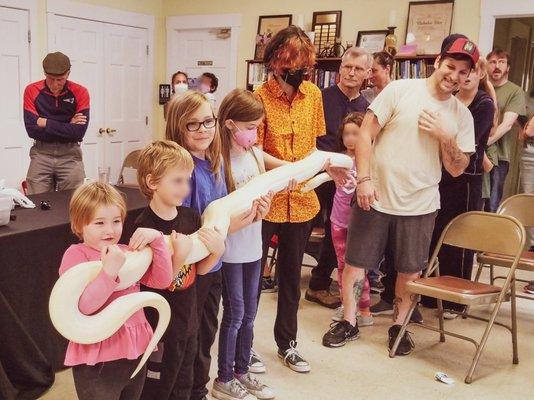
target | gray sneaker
x=255, y=387
x=233, y=390
x=362, y=321
x=255, y=364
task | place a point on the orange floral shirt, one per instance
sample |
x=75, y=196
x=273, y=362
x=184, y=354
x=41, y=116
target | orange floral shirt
x=288, y=132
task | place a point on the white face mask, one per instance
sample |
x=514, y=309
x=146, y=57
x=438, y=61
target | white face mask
x=180, y=88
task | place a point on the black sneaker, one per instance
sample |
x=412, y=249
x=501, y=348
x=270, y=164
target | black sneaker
x=417, y=317
x=406, y=344
x=382, y=308
x=340, y=333
x=376, y=286
x=292, y=358
x=268, y=285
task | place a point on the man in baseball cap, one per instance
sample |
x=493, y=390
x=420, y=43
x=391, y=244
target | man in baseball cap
x=56, y=114
x=460, y=44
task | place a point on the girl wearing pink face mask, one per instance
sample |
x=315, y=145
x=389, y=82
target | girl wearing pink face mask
x=239, y=115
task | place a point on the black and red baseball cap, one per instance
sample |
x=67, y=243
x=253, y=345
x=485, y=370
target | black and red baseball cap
x=459, y=44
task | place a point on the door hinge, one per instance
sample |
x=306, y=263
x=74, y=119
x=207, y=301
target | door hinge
x=146, y=120
x=29, y=36
x=147, y=50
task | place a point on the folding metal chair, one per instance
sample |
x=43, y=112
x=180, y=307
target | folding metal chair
x=478, y=231
x=520, y=206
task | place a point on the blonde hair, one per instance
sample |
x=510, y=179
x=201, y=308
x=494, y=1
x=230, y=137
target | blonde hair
x=487, y=86
x=156, y=159
x=86, y=200
x=178, y=114
x=238, y=105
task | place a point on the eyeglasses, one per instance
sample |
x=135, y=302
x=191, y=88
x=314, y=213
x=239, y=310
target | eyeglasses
x=195, y=126
x=354, y=68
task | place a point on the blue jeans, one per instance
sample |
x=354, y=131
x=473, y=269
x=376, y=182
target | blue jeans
x=240, y=297
x=497, y=178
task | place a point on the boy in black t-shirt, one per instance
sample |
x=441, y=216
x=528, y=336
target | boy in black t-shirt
x=163, y=174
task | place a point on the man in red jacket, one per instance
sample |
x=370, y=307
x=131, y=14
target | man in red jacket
x=56, y=114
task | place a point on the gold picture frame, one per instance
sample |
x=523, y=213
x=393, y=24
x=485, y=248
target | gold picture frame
x=268, y=26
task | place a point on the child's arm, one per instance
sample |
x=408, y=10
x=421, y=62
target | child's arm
x=159, y=275
x=215, y=244
x=181, y=245
x=98, y=291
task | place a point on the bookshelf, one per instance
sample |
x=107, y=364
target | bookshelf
x=325, y=73
x=413, y=67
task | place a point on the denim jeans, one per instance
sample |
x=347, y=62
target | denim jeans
x=497, y=179
x=240, y=297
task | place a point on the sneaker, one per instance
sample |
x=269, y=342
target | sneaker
x=268, y=285
x=338, y=314
x=233, y=390
x=256, y=365
x=382, y=308
x=363, y=321
x=293, y=359
x=529, y=288
x=449, y=315
x=340, y=333
x=376, y=286
x=417, y=317
x=385, y=308
x=255, y=387
x=323, y=297
x=406, y=344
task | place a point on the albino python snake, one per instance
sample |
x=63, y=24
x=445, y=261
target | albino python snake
x=87, y=329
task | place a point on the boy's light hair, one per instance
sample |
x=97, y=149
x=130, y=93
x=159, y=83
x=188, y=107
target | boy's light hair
x=85, y=201
x=156, y=158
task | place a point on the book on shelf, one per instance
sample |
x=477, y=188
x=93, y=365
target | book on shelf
x=257, y=74
x=413, y=69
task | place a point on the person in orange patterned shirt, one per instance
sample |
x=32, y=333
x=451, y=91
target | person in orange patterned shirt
x=294, y=118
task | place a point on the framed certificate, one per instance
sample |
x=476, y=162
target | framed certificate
x=372, y=41
x=429, y=22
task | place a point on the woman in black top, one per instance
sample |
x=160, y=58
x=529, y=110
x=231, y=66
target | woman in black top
x=464, y=193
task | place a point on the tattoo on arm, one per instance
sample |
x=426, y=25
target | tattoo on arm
x=453, y=157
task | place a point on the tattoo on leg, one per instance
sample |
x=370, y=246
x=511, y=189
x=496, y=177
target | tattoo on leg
x=357, y=290
x=396, y=304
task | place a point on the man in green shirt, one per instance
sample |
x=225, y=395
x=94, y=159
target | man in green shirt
x=511, y=103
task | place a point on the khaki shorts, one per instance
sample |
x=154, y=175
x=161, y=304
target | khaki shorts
x=55, y=166
x=407, y=238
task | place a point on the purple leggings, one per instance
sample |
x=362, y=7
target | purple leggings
x=339, y=238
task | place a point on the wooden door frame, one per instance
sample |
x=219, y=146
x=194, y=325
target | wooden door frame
x=67, y=8
x=213, y=21
x=490, y=10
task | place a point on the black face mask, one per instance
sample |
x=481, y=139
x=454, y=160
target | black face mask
x=294, y=79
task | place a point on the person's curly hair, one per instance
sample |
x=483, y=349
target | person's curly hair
x=289, y=49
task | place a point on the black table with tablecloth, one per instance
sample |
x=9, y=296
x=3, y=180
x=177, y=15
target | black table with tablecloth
x=31, y=248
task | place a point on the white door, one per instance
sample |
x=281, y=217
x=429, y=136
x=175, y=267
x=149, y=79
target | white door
x=82, y=41
x=111, y=61
x=194, y=48
x=125, y=56
x=14, y=77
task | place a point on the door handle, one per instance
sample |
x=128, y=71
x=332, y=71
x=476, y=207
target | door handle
x=110, y=131
x=100, y=132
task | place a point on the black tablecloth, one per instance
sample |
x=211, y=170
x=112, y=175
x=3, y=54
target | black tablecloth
x=31, y=248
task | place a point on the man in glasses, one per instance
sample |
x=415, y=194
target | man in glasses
x=338, y=101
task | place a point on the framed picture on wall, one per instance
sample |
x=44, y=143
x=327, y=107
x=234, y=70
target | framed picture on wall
x=429, y=22
x=327, y=27
x=268, y=26
x=372, y=41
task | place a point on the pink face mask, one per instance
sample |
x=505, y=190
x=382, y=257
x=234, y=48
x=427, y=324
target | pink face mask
x=245, y=137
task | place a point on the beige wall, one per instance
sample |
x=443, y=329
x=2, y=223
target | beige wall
x=357, y=15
